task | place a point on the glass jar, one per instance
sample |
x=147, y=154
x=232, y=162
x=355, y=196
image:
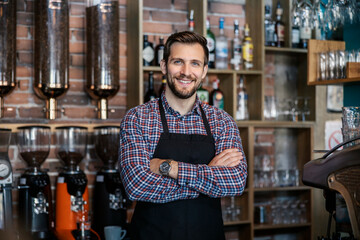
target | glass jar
x=7, y=50
x=102, y=56
x=51, y=51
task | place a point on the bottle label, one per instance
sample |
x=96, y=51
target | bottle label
x=221, y=49
x=248, y=52
x=203, y=95
x=280, y=33
x=305, y=33
x=210, y=44
x=218, y=100
x=148, y=54
x=295, y=36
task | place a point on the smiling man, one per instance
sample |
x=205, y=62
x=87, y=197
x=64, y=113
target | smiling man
x=179, y=156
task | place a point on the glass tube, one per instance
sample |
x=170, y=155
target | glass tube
x=102, y=36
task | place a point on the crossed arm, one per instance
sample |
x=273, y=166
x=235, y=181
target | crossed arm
x=225, y=175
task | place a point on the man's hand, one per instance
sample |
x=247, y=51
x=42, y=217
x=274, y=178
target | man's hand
x=228, y=158
x=155, y=165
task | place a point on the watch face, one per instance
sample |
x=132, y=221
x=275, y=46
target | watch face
x=165, y=167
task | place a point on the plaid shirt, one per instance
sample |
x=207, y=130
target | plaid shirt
x=139, y=134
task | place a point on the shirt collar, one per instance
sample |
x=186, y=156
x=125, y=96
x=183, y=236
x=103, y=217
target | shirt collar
x=167, y=108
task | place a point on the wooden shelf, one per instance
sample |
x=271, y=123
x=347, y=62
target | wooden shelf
x=279, y=226
x=235, y=223
x=285, y=50
x=285, y=124
x=279, y=189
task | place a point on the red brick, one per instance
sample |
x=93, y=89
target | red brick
x=22, y=31
x=77, y=9
x=122, y=50
x=77, y=60
x=123, y=62
x=225, y=8
x=168, y=16
x=146, y=15
x=23, y=71
x=18, y=98
x=123, y=74
x=122, y=27
x=166, y=4
x=118, y=100
x=181, y=4
x=76, y=22
x=77, y=47
x=151, y=27
x=32, y=112
x=25, y=18
x=76, y=73
x=24, y=44
x=122, y=2
x=122, y=38
x=118, y=114
x=77, y=34
x=24, y=85
x=9, y=112
x=80, y=112
x=74, y=99
x=25, y=58
x=122, y=13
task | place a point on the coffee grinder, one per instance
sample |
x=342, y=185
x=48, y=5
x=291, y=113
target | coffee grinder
x=109, y=201
x=72, y=197
x=35, y=201
x=5, y=184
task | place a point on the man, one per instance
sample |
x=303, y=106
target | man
x=179, y=156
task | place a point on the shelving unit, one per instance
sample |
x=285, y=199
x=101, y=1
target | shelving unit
x=318, y=46
x=245, y=228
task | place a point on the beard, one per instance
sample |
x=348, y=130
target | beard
x=183, y=94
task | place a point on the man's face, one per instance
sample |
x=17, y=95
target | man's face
x=185, y=69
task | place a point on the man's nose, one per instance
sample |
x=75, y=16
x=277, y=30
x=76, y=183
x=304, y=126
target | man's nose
x=186, y=69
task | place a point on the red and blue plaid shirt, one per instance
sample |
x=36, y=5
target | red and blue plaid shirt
x=139, y=135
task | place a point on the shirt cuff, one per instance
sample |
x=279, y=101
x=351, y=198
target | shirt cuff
x=187, y=174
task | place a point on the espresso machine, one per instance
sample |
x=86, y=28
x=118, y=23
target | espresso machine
x=109, y=201
x=35, y=201
x=72, y=197
x=5, y=185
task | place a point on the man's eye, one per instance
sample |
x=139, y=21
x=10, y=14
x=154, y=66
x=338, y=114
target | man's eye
x=196, y=64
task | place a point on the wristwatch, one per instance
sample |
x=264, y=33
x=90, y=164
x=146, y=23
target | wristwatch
x=165, y=167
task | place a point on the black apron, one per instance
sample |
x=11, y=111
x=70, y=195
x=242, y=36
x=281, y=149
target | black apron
x=190, y=219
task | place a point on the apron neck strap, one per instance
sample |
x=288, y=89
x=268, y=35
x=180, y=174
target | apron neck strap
x=165, y=125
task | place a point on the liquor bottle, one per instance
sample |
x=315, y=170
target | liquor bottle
x=242, y=112
x=210, y=37
x=279, y=27
x=163, y=85
x=221, y=47
x=150, y=94
x=159, y=51
x=203, y=94
x=269, y=27
x=191, y=21
x=217, y=96
x=295, y=28
x=305, y=23
x=236, y=47
x=247, y=48
x=148, y=52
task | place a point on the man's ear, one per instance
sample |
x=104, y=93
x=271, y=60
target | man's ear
x=163, y=67
x=205, y=71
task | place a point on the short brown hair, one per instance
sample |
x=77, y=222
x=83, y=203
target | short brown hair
x=186, y=37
